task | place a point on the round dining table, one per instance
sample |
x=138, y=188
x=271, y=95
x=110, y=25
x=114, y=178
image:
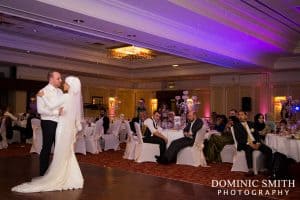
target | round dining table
x=285, y=145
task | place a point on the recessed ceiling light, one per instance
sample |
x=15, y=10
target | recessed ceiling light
x=175, y=65
x=34, y=30
x=78, y=21
x=118, y=32
x=27, y=51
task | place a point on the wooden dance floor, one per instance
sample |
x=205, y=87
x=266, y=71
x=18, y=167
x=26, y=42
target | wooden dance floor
x=102, y=183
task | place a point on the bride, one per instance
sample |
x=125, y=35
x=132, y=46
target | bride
x=64, y=172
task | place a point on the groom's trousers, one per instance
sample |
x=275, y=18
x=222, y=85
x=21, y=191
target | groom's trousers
x=49, y=130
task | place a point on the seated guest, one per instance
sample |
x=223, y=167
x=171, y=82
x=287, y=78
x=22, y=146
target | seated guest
x=232, y=113
x=220, y=123
x=163, y=111
x=248, y=140
x=213, y=120
x=283, y=128
x=8, y=127
x=141, y=106
x=190, y=131
x=260, y=126
x=216, y=143
x=140, y=120
x=29, y=131
x=270, y=123
x=11, y=123
x=259, y=122
x=104, y=120
x=171, y=116
x=153, y=132
x=7, y=113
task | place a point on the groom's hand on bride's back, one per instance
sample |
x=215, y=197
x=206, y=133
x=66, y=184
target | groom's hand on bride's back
x=61, y=111
x=40, y=93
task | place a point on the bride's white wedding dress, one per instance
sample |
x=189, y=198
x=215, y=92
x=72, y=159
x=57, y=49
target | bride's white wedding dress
x=64, y=172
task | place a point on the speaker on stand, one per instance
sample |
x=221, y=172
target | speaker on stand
x=246, y=104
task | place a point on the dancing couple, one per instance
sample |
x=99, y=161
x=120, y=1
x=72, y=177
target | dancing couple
x=61, y=116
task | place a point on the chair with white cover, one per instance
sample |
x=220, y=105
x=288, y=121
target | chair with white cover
x=240, y=162
x=37, y=136
x=194, y=155
x=3, y=143
x=16, y=138
x=119, y=126
x=91, y=139
x=131, y=143
x=80, y=146
x=227, y=153
x=111, y=139
x=144, y=152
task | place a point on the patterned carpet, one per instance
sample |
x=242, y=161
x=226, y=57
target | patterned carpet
x=199, y=175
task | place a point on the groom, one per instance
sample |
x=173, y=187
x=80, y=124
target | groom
x=49, y=117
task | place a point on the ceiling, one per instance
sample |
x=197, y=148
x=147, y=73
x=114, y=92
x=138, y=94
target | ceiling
x=203, y=37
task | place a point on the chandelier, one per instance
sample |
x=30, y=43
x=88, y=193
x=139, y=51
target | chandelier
x=130, y=53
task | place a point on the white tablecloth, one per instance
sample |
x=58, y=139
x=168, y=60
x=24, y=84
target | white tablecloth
x=172, y=135
x=284, y=145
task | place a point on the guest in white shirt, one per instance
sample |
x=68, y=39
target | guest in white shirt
x=49, y=117
x=153, y=132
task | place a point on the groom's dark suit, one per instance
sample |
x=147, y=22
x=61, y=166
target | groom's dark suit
x=241, y=136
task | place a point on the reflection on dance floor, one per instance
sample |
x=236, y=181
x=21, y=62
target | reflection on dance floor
x=102, y=183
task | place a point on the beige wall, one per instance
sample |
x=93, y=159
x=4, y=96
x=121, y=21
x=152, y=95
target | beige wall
x=17, y=101
x=204, y=99
x=127, y=103
x=21, y=97
x=217, y=93
x=227, y=92
x=128, y=99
